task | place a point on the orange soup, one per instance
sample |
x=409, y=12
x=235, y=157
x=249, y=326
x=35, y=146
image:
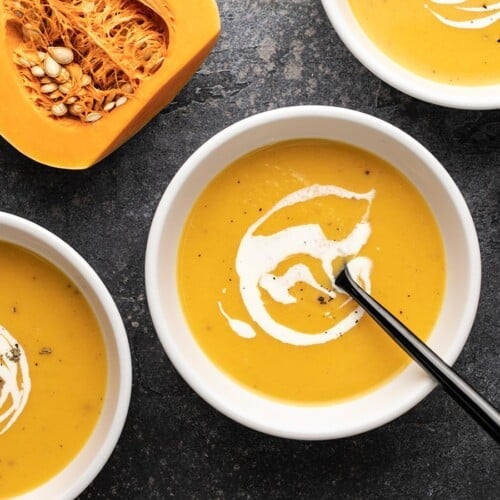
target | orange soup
x=258, y=258
x=53, y=370
x=453, y=42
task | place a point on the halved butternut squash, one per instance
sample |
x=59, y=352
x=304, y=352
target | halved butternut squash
x=80, y=77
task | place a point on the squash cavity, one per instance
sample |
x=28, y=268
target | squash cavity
x=82, y=59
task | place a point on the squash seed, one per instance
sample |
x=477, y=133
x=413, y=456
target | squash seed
x=48, y=88
x=61, y=55
x=64, y=76
x=127, y=88
x=157, y=65
x=65, y=88
x=30, y=34
x=76, y=109
x=71, y=100
x=51, y=67
x=59, y=109
x=41, y=55
x=147, y=54
x=93, y=117
x=24, y=62
x=109, y=106
x=86, y=80
x=121, y=100
x=37, y=71
x=55, y=95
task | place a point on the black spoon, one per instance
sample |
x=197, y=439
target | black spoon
x=461, y=391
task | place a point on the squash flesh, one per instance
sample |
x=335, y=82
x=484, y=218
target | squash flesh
x=193, y=27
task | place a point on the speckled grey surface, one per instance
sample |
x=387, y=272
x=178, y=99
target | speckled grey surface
x=270, y=54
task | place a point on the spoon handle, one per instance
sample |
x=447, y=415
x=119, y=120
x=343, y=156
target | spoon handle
x=480, y=409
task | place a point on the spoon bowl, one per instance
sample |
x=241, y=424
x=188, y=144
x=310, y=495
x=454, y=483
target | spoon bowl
x=340, y=418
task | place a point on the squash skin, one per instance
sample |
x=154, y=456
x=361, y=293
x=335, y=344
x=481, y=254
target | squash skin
x=193, y=25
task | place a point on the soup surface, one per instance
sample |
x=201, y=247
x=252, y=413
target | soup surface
x=53, y=370
x=454, y=42
x=259, y=253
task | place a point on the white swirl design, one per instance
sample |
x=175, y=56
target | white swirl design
x=15, y=382
x=259, y=255
x=482, y=16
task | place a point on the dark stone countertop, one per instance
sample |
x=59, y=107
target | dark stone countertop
x=270, y=54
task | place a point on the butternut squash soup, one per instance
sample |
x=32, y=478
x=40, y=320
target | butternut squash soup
x=257, y=263
x=53, y=370
x=455, y=42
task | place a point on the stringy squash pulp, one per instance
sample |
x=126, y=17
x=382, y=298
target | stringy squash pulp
x=82, y=76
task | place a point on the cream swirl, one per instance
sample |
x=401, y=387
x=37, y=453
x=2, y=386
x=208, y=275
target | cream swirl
x=481, y=17
x=15, y=382
x=259, y=255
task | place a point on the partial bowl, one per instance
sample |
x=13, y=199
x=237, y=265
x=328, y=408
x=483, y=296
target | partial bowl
x=361, y=46
x=361, y=413
x=82, y=470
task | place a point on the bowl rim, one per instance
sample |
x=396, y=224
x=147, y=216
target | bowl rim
x=153, y=256
x=470, y=97
x=65, y=253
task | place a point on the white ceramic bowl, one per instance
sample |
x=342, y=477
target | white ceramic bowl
x=293, y=420
x=356, y=40
x=73, y=479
